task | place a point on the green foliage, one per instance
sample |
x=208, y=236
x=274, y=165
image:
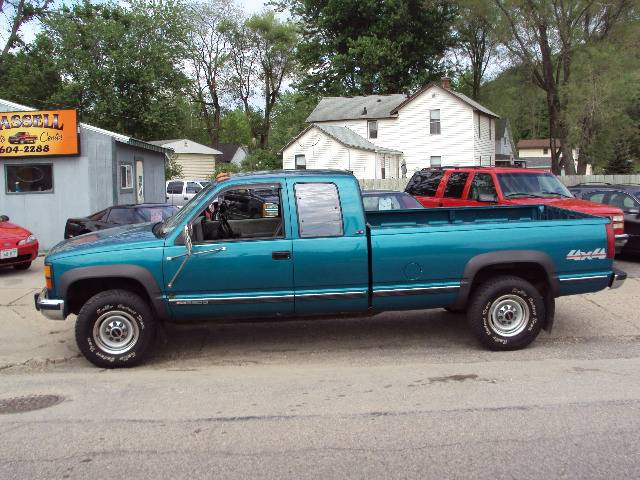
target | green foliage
x=621, y=162
x=225, y=168
x=121, y=65
x=262, y=160
x=235, y=127
x=289, y=117
x=354, y=47
x=172, y=169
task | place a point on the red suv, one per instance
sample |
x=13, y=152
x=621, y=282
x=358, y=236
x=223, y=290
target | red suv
x=474, y=186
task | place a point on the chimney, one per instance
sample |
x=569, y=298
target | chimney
x=446, y=83
x=364, y=111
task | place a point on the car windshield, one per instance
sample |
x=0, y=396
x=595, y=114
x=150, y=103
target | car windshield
x=541, y=185
x=156, y=214
x=168, y=225
x=389, y=201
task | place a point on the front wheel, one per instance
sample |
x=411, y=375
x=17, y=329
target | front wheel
x=115, y=329
x=506, y=313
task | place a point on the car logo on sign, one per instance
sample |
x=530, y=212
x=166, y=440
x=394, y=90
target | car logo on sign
x=579, y=255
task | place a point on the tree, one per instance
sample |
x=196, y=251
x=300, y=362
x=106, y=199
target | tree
x=264, y=56
x=235, y=127
x=361, y=47
x=261, y=159
x=15, y=14
x=172, y=169
x=476, y=41
x=543, y=35
x=122, y=66
x=289, y=116
x=209, y=58
x=621, y=162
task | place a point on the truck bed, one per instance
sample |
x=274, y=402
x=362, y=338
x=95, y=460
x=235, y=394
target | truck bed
x=466, y=215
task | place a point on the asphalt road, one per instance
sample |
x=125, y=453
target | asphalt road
x=399, y=395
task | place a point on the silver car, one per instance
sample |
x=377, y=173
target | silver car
x=179, y=192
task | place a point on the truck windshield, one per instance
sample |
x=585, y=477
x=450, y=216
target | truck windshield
x=541, y=185
x=169, y=224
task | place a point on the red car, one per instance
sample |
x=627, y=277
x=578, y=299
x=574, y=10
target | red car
x=18, y=246
x=22, y=137
x=474, y=186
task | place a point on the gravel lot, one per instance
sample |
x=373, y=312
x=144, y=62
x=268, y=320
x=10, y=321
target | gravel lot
x=398, y=395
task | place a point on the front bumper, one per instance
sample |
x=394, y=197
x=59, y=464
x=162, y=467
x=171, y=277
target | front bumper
x=617, y=278
x=52, y=309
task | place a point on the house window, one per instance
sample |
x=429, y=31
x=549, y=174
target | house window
x=478, y=125
x=29, y=178
x=490, y=129
x=301, y=162
x=434, y=122
x=545, y=151
x=436, y=162
x=372, y=125
x=126, y=176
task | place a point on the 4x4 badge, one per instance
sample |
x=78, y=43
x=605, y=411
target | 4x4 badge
x=579, y=255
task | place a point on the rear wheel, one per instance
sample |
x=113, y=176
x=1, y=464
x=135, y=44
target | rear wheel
x=506, y=313
x=115, y=329
x=22, y=266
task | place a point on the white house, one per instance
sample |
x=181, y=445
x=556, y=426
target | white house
x=505, y=146
x=536, y=153
x=197, y=160
x=379, y=136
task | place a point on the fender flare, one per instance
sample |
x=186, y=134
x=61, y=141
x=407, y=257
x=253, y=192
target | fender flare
x=132, y=272
x=477, y=263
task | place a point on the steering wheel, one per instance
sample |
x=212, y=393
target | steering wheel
x=225, y=228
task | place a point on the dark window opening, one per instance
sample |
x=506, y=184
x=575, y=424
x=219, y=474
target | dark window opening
x=29, y=178
x=434, y=122
x=372, y=126
x=424, y=183
x=482, y=183
x=455, y=185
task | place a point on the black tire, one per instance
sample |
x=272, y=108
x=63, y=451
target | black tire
x=506, y=313
x=127, y=324
x=22, y=266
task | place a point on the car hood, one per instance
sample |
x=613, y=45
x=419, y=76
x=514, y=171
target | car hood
x=576, y=204
x=118, y=238
x=11, y=231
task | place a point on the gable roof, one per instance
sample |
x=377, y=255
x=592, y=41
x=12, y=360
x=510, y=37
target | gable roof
x=228, y=151
x=184, y=145
x=345, y=136
x=537, y=143
x=460, y=96
x=354, y=108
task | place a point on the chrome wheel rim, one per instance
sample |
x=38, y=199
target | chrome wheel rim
x=509, y=315
x=116, y=332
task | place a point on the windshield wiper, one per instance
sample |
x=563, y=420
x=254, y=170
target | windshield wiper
x=522, y=194
x=557, y=193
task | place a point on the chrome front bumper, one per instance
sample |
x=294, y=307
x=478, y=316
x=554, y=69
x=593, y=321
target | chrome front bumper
x=617, y=278
x=52, y=309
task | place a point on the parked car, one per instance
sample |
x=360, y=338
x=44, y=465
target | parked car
x=625, y=197
x=376, y=200
x=118, y=215
x=321, y=253
x=475, y=186
x=18, y=246
x=21, y=138
x=180, y=192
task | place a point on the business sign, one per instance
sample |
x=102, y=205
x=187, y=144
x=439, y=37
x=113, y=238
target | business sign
x=38, y=134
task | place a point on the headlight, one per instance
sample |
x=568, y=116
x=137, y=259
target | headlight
x=29, y=239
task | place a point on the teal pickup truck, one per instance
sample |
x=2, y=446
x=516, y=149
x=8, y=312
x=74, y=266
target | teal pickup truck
x=300, y=243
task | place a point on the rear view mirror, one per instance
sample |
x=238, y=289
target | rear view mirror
x=487, y=197
x=4, y=218
x=631, y=211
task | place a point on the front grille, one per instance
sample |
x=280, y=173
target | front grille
x=18, y=259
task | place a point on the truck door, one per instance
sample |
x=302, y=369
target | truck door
x=330, y=252
x=243, y=268
x=482, y=186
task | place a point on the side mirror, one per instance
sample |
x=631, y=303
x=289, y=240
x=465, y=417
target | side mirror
x=4, y=218
x=188, y=243
x=487, y=197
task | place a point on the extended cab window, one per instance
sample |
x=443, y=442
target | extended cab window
x=424, y=183
x=455, y=185
x=241, y=214
x=482, y=184
x=174, y=188
x=319, y=211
